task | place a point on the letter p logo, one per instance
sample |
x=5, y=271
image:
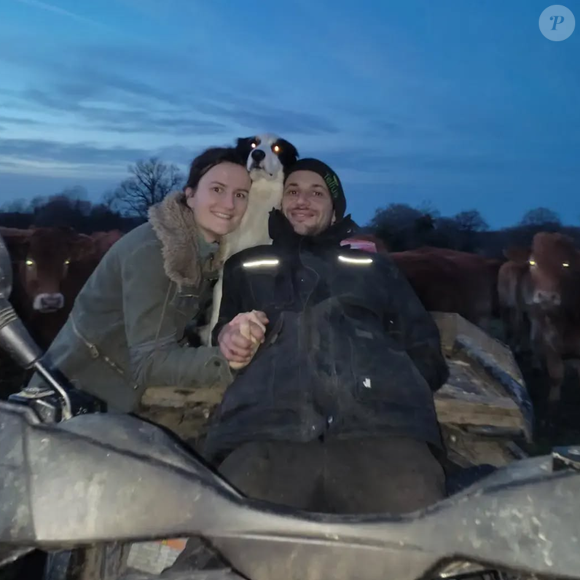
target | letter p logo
x=557, y=20
x=557, y=23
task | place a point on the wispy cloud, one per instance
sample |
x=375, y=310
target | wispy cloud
x=41, y=150
x=19, y=121
x=62, y=12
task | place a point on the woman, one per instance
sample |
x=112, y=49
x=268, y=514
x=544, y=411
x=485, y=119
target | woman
x=126, y=329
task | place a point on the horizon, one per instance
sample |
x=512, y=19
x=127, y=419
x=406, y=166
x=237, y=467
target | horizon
x=453, y=104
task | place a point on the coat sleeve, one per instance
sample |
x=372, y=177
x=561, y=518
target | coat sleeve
x=419, y=333
x=232, y=297
x=150, y=314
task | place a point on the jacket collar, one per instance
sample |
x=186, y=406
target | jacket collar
x=182, y=245
x=283, y=234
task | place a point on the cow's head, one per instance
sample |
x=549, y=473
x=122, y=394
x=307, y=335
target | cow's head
x=553, y=263
x=43, y=256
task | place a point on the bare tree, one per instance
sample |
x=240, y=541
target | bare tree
x=401, y=226
x=470, y=221
x=151, y=181
x=468, y=225
x=15, y=206
x=540, y=216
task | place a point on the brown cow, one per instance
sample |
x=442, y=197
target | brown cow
x=103, y=242
x=42, y=258
x=544, y=281
x=452, y=281
x=445, y=280
x=509, y=289
x=81, y=270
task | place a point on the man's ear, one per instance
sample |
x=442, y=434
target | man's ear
x=333, y=220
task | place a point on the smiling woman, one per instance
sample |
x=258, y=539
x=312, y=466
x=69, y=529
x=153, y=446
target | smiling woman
x=127, y=329
x=219, y=198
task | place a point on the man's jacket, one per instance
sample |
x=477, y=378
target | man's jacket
x=350, y=350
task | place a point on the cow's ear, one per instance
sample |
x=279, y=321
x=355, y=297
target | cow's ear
x=516, y=254
x=82, y=247
x=17, y=241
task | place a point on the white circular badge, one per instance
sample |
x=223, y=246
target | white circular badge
x=557, y=23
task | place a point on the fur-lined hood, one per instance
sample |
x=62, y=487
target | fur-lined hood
x=173, y=223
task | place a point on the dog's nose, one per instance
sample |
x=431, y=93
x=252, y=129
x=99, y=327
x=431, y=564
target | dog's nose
x=258, y=155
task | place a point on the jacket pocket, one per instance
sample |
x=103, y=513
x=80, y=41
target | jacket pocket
x=186, y=306
x=382, y=370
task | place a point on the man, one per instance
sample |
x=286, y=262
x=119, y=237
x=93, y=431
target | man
x=335, y=411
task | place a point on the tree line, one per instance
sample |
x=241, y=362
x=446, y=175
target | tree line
x=400, y=226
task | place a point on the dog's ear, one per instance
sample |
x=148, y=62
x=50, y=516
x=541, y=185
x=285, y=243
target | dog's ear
x=289, y=153
x=244, y=145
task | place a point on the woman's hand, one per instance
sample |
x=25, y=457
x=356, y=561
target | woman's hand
x=240, y=338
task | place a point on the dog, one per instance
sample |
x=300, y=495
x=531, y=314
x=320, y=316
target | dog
x=268, y=156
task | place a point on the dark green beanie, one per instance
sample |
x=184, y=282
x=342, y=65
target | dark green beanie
x=330, y=178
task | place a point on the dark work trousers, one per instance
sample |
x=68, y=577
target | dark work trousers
x=342, y=476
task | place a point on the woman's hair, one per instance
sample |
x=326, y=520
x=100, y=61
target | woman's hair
x=210, y=158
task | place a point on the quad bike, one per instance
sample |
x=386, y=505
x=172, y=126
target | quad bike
x=96, y=484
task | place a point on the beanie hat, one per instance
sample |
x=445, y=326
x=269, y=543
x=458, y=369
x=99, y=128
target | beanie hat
x=330, y=178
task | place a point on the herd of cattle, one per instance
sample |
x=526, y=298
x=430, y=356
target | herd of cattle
x=535, y=293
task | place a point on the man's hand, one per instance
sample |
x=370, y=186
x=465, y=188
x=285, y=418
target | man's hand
x=241, y=337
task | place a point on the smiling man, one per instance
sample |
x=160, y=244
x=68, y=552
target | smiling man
x=334, y=411
x=312, y=197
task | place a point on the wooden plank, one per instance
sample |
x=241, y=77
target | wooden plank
x=466, y=450
x=452, y=326
x=457, y=407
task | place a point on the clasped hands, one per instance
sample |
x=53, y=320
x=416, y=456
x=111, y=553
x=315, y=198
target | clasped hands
x=241, y=337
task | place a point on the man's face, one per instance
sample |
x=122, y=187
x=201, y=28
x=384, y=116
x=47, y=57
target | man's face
x=307, y=203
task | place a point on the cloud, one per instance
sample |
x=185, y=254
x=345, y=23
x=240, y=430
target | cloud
x=279, y=120
x=369, y=160
x=19, y=121
x=60, y=11
x=47, y=151
x=171, y=113
x=122, y=118
x=82, y=160
x=108, y=88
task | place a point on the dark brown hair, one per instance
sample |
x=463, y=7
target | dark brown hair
x=210, y=158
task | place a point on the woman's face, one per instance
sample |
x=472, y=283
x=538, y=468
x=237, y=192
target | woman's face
x=220, y=200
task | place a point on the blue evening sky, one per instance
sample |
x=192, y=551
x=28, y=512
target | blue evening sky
x=460, y=103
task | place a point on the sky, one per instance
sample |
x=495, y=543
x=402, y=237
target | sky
x=459, y=104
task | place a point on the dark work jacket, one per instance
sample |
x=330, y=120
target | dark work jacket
x=350, y=350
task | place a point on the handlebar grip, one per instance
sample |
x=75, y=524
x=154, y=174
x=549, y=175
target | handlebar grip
x=15, y=339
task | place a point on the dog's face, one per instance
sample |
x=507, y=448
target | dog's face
x=267, y=156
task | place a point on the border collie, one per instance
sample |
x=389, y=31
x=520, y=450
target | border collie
x=267, y=157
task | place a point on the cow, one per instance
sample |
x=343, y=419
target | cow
x=445, y=280
x=103, y=242
x=452, y=281
x=50, y=266
x=81, y=270
x=509, y=289
x=542, y=284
